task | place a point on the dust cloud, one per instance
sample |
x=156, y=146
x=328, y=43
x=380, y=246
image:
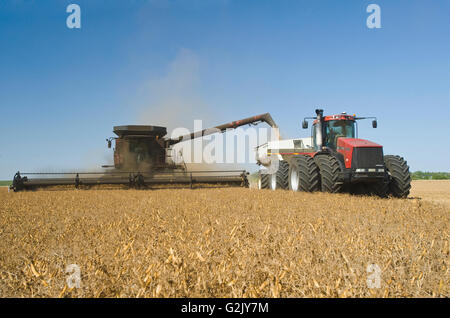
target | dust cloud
x=175, y=101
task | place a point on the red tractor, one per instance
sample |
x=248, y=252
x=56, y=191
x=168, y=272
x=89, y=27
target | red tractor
x=333, y=160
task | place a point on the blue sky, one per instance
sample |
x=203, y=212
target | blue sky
x=168, y=62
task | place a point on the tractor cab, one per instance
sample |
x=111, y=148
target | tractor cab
x=327, y=130
x=335, y=127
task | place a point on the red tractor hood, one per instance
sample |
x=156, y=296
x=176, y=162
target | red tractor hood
x=346, y=145
x=355, y=142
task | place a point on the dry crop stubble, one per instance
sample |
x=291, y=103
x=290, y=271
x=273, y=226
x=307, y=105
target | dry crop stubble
x=437, y=191
x=230, y=242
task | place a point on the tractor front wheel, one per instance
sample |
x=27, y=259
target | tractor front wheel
x=329, y=173
x=400, y=182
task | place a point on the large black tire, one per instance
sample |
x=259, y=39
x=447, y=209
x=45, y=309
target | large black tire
x=279, y=180
x=400, y=182
x=329, y=173
x=263, y=181
x=303, y=174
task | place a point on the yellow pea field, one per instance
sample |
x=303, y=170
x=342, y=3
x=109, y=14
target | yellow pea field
x=226, y=242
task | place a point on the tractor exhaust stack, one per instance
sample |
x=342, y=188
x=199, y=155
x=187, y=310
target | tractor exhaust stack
x=319, y=129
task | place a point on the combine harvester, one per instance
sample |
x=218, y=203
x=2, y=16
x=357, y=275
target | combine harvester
x=142, y=157
x=333, y=160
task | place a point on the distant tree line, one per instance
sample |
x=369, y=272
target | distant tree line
x=417, y=175
x=420, y=175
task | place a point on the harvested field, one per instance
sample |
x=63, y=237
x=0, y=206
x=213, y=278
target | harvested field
x=231, y=242
x=437, y=191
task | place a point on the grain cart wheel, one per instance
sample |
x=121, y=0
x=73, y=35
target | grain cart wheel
x=303, y=174
x=400, y=182
x=329, y=173
x=279, y=179
x=263, y=181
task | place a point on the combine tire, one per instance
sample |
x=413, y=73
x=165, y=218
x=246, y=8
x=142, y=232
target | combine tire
x=400, y=182
x=279, y=179
x=303, y=174
x=329, y=173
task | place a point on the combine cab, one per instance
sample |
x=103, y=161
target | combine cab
x=333, y=160
x=142, y=159
x=139, y=148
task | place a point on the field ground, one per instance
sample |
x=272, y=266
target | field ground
x=437, y=191
x=5, y=183
x=231, y=242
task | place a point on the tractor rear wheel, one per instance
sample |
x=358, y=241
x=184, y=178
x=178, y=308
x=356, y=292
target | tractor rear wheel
x=329, y=173
x=279, y=179
x=303, y=174
x=400, y=182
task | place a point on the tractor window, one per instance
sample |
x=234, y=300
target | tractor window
x=338, y=128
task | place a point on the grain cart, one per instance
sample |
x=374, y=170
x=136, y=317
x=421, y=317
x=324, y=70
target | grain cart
x=333, y=160
x=142, y=157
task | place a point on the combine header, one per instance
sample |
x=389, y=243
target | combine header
x=142, y=157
